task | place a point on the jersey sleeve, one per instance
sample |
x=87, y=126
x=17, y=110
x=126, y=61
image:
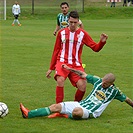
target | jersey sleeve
x=92, y=79
x=13, y=9
x=58, y=22
x=120, y=96
x=56, y=50
x=19, y=10
x=88, y=41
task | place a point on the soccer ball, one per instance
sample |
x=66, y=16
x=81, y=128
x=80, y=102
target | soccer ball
x=3, y=109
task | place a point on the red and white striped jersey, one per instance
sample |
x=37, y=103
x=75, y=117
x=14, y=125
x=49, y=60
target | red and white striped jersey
x=68, y=47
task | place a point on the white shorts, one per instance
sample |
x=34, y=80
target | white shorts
x=68, y=107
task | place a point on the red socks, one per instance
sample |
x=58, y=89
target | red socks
x=59, y=94
x=79, y=95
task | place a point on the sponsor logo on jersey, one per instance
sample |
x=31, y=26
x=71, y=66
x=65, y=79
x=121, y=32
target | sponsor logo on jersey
x=100, y=95
x=64, y=24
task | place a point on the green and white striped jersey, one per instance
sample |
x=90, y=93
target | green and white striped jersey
x=99, y=98
x=62, y=20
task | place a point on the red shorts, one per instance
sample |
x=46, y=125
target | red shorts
x=59, y=71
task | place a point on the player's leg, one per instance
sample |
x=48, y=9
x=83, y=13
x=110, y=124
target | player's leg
x=81, y=88
x=60, y=89
x=125, y=3
x=111, y=4
x=68, y=107
x=77, y=113
x=17, y=20
x=14, y=21
x=128, y=3
x=44, y=111
x=114, y=4
x=79, y=83
x=40, y=111
x=74, y=110
x=80, y=113
x=59, y=93
x=60, y=77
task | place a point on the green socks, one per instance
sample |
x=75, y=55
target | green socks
x=39, y=112
x=70, y=116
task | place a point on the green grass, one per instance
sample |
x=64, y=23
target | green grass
x=90, y=13
x=92, y=10
x=25, y=56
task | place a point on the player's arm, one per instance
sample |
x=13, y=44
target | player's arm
x=129, y=101
x=57, y=26
x=13, y=10
x=19, y=10
x=78, y=72
x=88, y=41
x=48, y=73
x=56, y=30
x=103, y=37
x=54, y=56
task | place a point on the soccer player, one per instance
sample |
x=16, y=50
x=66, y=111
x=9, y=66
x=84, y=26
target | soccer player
x=112, y=4
x=68, y=49
x=104, y=91
x=62, y=18
x=16, y=12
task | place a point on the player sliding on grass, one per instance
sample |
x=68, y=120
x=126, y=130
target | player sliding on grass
x=104, y=91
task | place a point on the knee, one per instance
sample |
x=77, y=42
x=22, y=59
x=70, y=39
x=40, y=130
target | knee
x=81, y=85
x=55, y=108
x=77, y=113
x=60, y=81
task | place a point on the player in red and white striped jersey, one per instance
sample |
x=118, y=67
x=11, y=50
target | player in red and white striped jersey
x=68, y=49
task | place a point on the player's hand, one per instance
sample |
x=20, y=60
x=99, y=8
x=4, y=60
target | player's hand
x=48, y=73
x=103, y=37
x=54, y=33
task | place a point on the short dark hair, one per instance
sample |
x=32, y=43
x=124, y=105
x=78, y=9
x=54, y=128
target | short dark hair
x=64, y=3
x=74, y=14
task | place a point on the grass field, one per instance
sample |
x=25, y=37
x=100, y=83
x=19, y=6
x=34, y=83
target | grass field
x=25, y=56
